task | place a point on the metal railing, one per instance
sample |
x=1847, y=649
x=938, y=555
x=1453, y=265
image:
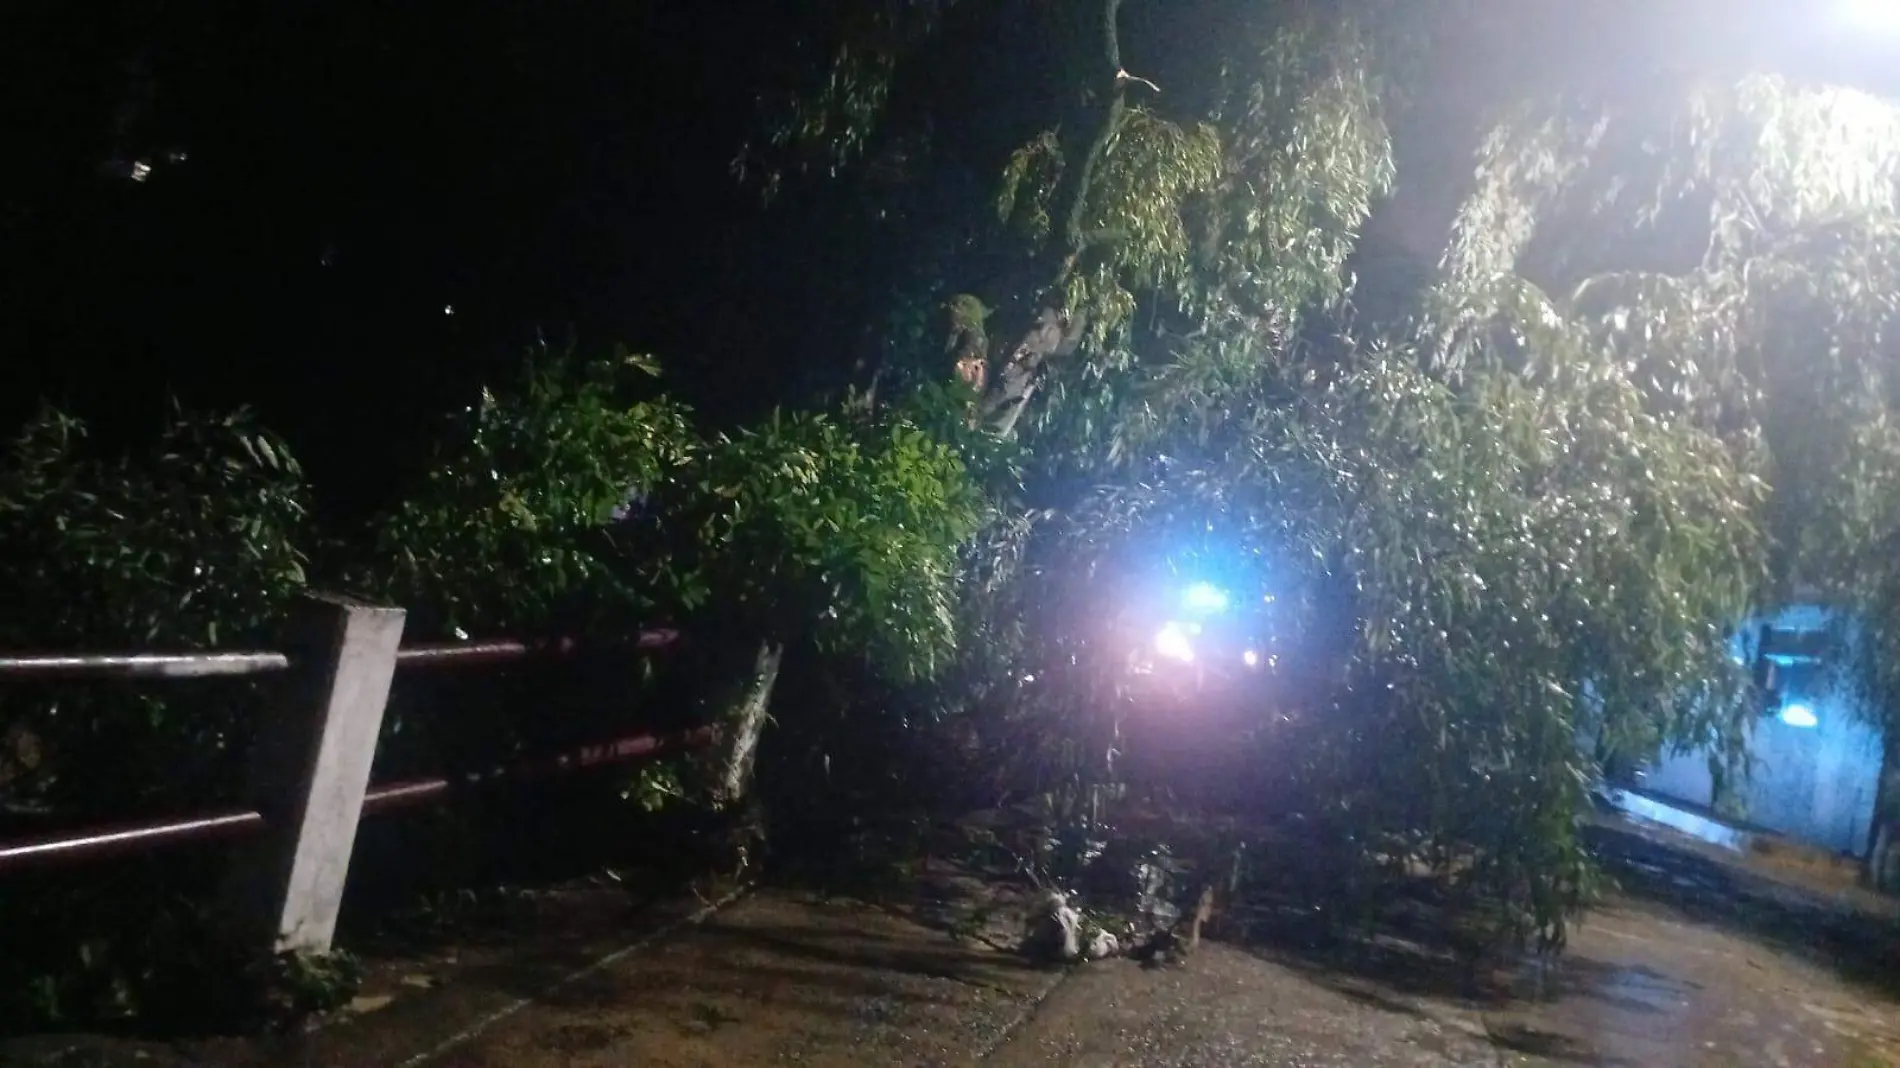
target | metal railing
x=205, y=665
x=486, y=652
x=101, y=842
x=132, y=837
x=142, y=665
x=73, y=847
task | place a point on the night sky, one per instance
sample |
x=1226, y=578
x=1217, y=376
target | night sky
x=357, y=212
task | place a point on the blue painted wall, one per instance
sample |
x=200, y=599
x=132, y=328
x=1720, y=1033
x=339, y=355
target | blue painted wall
x=1816, y=784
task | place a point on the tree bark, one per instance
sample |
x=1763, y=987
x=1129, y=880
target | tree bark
x=1881, y=849
x=1057, y=331
x=1054, y=334
x=742, y=713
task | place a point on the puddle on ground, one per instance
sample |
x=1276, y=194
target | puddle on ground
x=1636, y=989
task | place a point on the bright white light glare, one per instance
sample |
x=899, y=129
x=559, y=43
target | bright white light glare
x=1252, y=658
x=1883, y=15
x=1172, y=642
x=1799, y=716
x=1205, y=597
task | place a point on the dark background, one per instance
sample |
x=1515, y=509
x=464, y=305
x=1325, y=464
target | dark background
x=329, y=180
x=349, y=173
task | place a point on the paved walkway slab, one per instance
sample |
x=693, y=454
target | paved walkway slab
x=775, y=980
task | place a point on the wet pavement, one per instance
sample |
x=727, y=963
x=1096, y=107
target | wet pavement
x=777, y=980
x=1699, y=962
x=1226, y=1007
x=1641, y=985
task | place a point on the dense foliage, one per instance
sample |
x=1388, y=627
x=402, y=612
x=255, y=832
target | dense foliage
x=1641, y=398
x=522, y=485
x=197, y=544
x=1739, y=273
x=574, y=501
x=1501, y=540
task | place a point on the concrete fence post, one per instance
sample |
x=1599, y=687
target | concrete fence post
x=310, y=770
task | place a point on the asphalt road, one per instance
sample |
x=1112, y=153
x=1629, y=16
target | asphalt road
x=1701, y=963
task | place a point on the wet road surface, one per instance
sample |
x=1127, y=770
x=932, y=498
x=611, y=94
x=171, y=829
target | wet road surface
x=1700, y=963
x=776, y=980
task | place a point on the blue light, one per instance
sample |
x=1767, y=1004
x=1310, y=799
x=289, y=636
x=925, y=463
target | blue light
x=1205, y=597
x=1799, y=716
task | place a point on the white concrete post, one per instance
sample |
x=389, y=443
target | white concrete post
x=311, y=769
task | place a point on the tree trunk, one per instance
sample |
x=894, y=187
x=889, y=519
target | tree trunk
x=741, y=715
x=1880, y=873
x=1058, y=331
x=1054, y=335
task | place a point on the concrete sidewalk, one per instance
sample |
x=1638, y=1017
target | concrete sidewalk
x=775, y=979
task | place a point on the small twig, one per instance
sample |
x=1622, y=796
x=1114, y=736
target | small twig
x=1123, y=78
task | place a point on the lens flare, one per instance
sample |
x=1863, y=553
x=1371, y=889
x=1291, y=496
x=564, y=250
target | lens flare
x=1799, y=716
x=1205, y=597
x=1172, y=642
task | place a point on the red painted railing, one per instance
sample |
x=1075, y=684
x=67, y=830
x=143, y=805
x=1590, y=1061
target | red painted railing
x=77, y=846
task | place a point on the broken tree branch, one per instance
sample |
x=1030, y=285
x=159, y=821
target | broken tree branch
x=1057, y=331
